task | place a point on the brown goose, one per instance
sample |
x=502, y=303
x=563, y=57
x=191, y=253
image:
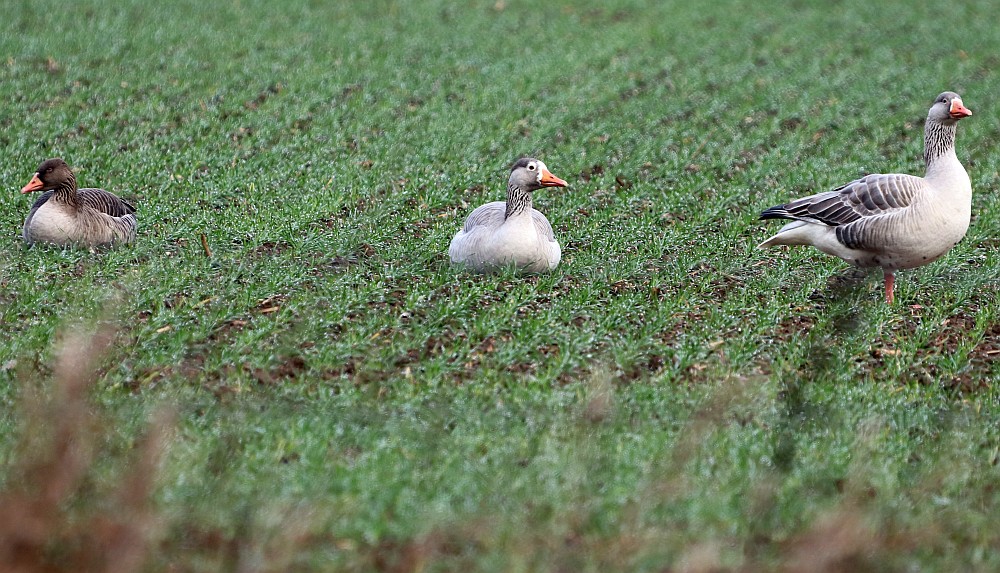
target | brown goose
x=501, y=233
x=65, y=214
x=891, y=221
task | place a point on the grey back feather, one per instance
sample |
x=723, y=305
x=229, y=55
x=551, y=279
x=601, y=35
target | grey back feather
x=869, y=197
x=542, y=224
x=104, y=202
x=488, y=216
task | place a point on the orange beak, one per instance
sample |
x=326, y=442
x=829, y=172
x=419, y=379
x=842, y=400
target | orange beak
x=550, y=180
x=34, y=185
x=958, y=111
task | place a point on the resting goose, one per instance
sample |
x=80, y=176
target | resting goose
x=65, y=214
x=508, y=232
x=891, y=221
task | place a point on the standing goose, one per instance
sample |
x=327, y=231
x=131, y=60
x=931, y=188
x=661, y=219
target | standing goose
x=891, y=221
x=67, y=215
x=511, y=232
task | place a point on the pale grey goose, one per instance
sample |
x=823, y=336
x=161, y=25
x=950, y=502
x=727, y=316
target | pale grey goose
x=65, y=214
x=891, y=221
x=510, y=232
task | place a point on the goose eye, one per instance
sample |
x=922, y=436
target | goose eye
x=531, y=167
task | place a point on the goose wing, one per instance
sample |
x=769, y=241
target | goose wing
x=860, y=210
x=542, y=225
x=105, y=202
x=488, y=216
x=476, y=229
x=871, y=196
x=117, y=215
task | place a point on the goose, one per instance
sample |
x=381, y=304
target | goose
x=501, y=233
x=65, y=214
x=893, y=221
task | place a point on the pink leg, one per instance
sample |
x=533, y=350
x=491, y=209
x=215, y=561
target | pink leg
x=890, y=282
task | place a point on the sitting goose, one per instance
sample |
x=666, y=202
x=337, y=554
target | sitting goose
x=67, y=215
x=891, y=221
x=504, y=232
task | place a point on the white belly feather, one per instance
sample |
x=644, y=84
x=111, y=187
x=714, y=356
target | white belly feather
x=54, y=223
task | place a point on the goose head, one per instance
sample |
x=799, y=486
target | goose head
x=51, y=173
x=948, y=108
x=530, y=174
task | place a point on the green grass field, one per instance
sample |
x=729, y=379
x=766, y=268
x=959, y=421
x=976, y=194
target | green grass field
x=669, y=399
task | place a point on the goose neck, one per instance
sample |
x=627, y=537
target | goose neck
x=518, y=201
x=939, y=141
